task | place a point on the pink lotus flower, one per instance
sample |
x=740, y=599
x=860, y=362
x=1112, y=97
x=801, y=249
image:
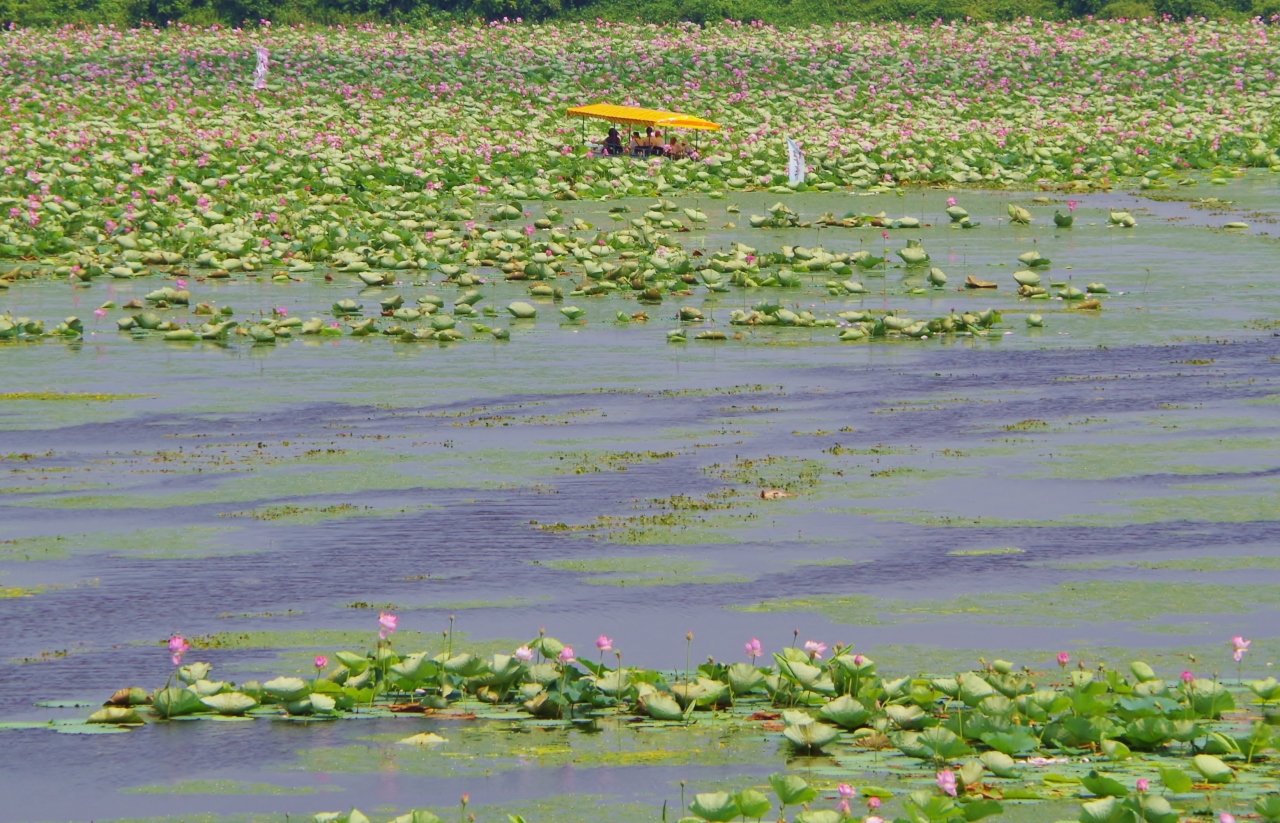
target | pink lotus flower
x=1226, y=817
x=1240, y=646
x=874, y=819
x=815, y=649
x=951, y=201
x=753, y=648
x=844, y=790
x=320, y=662
x=180, y=284
x=858, y=660
x=1142, y=785
x=281, y=311
x=1071, y=206
x=843, y=808
x=885, y=235
x=177, y=648
x=873, y=803
x=604, y=644
x=1188, y=678
x=1063, y=659
x=99, y=313
x=387, y=625
x=524, y=654
x=566, y=655
x=947, y=782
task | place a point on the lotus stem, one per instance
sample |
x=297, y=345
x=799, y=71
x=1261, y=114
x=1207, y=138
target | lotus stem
x=621, y=680
x=688, y=646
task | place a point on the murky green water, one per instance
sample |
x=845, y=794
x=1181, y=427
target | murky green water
x=1105, y=482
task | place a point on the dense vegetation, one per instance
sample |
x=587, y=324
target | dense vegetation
x=795, y=12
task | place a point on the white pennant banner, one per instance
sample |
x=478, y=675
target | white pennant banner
x=796, y=170
x=260, y=73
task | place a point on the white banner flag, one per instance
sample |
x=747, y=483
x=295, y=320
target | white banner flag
x=796, y=170
x=260, y=73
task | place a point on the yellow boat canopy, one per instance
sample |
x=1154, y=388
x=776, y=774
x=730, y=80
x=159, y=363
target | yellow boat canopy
x=642, y=117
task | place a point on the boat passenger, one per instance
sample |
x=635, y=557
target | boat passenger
x=656, y=144
x=613, y=143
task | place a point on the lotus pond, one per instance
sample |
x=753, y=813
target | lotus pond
x=366, y=445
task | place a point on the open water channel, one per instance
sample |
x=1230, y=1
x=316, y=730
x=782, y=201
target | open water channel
x=1107, y=482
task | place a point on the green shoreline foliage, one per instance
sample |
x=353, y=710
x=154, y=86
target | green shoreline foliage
x=774, y=12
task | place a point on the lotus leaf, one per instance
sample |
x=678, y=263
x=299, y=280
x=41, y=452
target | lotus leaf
x=978, y=809
x=1210, y=699
x=522, y=311
x=974, y=689
x=996, y=705
x=744, y=679
x=716, y=807
x=662, y=706
x=1267, y=807
x=914, y=254
x=116, y=715
x=415, y=668
x=846, y=712
x=148, y=320
x=1212, y=769
x=926, y=806
x=353, y=816
x=1017, y=741
x=417, y=816
x=286, y=689
x=1175, y=779
x=1268, y=690
x=207, y=688
x=791, y=789
x=1219, y=743
x=1154, y=809
x=356, y=663
x=175, y=702
x=129, y=696
x=229, y=703
x=1115, y=750
x=818, y=816
x=1106, y=810
x=1000, y=764
x=1104, y=786
x=322, y=703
